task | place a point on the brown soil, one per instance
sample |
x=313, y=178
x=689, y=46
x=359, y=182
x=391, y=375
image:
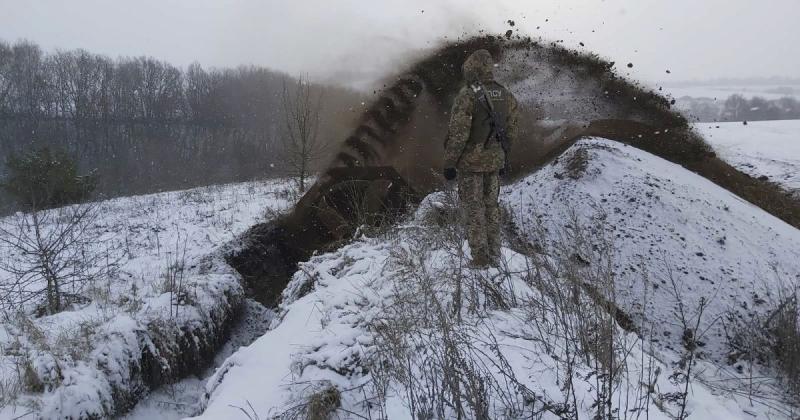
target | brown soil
x=405, y=126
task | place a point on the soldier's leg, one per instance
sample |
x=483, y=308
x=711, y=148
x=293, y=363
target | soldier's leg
x=470, y=195
x=491, y=192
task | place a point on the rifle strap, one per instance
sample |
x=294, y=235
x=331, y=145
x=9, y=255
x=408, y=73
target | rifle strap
x=490, y=108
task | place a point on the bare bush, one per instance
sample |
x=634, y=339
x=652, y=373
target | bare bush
x=173, y=277
x=784, y=327
x=690, y=320
x=321, y=402
x=445, y=365
x=578, y=322
x=9, y=390
x=50, y=256
x=771, y=340
x=435, y=346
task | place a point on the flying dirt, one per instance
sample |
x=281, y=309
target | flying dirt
x=393, y=157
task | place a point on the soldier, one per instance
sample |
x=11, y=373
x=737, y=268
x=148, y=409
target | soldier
x=483, y=124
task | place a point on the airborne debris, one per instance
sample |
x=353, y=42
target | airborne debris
x=509, y=33
x=630, y=65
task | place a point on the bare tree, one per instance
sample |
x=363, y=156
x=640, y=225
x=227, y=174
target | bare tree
x=147, y=125
x=50, y=256
x=301, y=143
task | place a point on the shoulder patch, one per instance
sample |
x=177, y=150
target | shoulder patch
x=494, y=93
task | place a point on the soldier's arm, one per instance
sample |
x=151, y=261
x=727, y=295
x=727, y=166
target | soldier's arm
x=460, y=125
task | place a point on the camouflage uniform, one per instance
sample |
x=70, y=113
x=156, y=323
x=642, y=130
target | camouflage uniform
x=476, y=156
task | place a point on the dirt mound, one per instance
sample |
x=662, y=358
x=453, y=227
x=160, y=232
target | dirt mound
x=564, y=95
x=340, y=201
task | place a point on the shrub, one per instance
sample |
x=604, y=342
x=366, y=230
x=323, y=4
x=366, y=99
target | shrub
x=50, y=256
x=784, y=326
x=43, y=179
x=323, y=403
x=770, y=339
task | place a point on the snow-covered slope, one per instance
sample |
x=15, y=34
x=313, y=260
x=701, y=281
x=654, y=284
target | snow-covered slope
x=88, y=356
x=664, y=239
x=665, y=222
x=760, y=148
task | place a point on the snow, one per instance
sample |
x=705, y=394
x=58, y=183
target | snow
x=256, y=375
x=85, y=354
x=657, y=214
x=176, y=401
x=722, y=92
x=760, y=148
x=719, y=246
x=660, y=217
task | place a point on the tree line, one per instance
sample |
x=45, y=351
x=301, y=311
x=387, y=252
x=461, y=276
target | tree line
x=146, y=125
x=739, y=108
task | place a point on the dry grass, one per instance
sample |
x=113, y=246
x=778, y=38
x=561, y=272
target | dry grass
x=322, y=404
x=432, y=343
x=771, y=341
x=322, y=401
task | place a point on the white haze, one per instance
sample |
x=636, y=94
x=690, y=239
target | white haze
x=356, y=41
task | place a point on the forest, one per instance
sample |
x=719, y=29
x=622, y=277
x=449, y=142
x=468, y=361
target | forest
x=149, y=123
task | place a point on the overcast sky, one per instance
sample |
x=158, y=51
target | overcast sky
x=361, y=39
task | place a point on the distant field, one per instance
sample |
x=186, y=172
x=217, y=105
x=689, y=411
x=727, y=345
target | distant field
x=722, y=92
x=760, y=148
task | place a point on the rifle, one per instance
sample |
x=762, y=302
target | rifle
x=497, y=127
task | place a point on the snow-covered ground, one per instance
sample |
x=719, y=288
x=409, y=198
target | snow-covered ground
x=760, y=148
x=185, y=397
x=678, y=242
x=664, y=218
x=676, y=238
x=84, y=354
x=722, y=92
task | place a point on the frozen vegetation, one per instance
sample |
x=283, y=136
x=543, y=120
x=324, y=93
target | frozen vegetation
x=626, y=288
x=160, y=306
x=629, y=286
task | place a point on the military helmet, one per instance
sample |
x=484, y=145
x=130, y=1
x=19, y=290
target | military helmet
x=478, y=66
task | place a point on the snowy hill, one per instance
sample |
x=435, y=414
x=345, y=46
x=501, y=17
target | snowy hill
x=622, y=270
x=662, y=218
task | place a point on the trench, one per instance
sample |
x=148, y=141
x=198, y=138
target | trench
x=393, y=158
x=395, y=150
x=183, y=398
